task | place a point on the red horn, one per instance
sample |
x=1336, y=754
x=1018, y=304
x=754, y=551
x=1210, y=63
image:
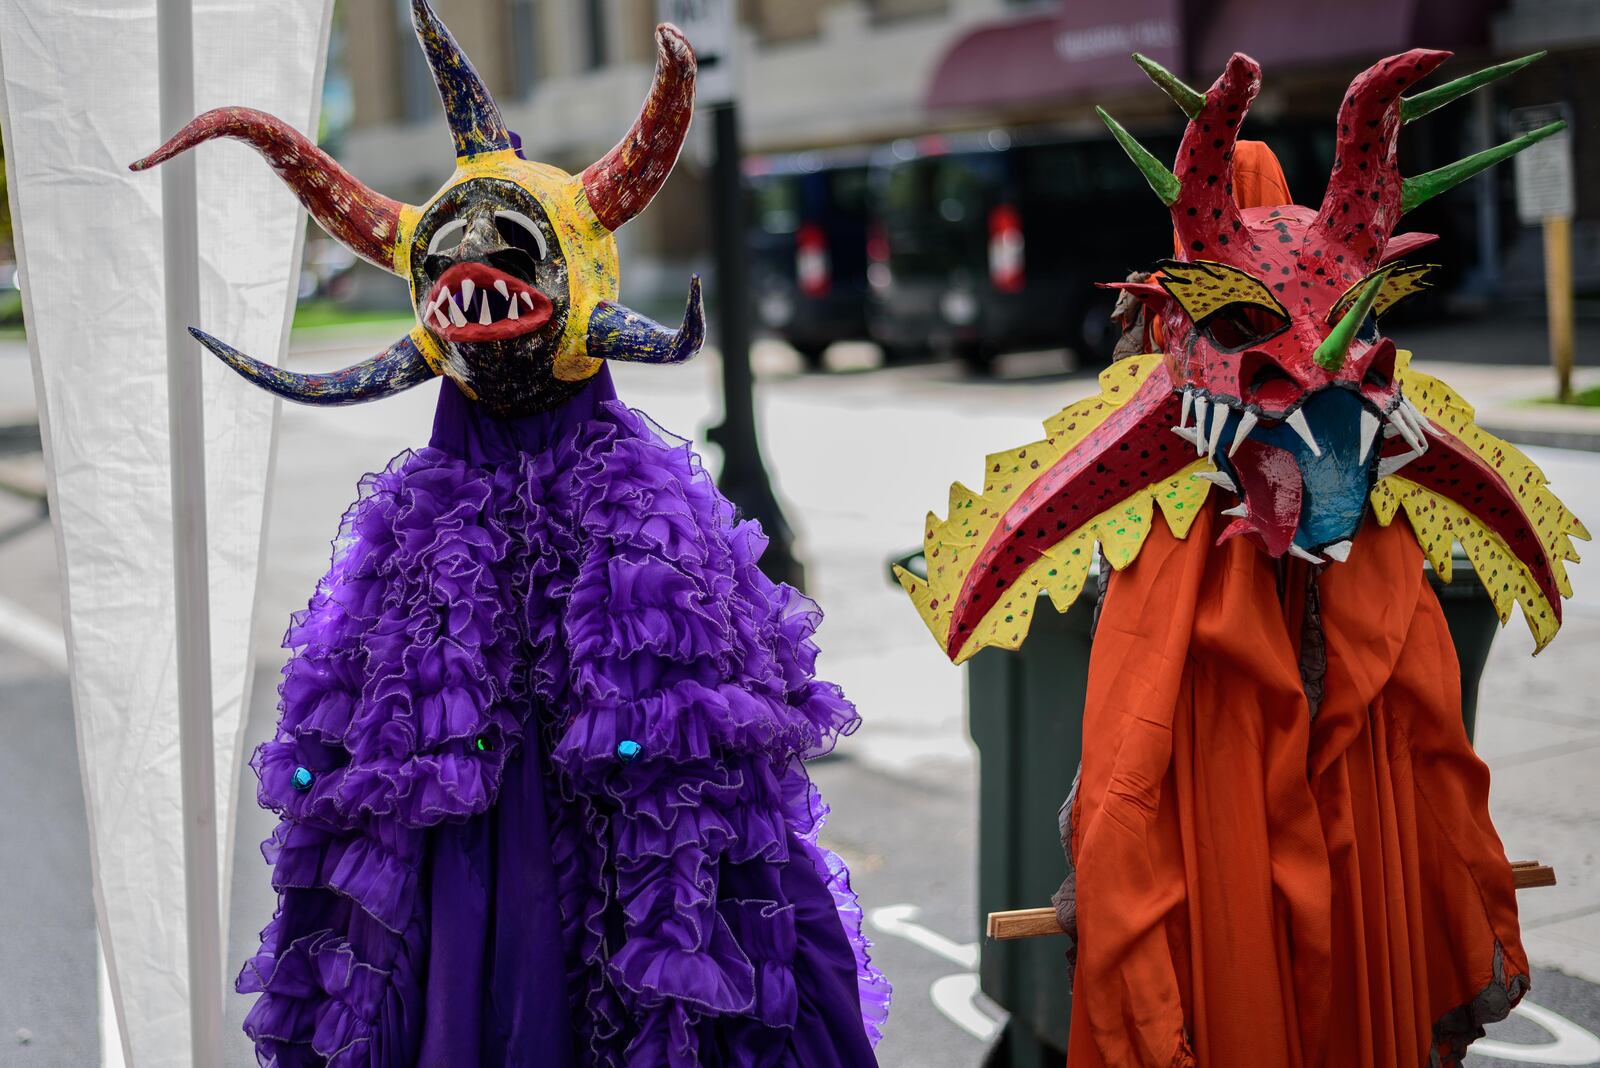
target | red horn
x=365, y=222
x=1362, y=205
x=1205, y=210
x=620, y=183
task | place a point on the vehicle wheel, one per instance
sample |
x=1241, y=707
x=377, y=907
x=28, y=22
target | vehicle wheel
x=977, y=358
x=813, y=356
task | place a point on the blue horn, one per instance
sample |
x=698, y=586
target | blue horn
x=397, y=368
x=475, y=120
x=616, y=333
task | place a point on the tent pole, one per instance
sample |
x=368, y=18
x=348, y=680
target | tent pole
x=185, y=400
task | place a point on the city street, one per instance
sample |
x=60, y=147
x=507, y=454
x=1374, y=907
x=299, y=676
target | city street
x=858, y=456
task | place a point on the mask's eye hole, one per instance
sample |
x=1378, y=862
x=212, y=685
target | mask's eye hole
x=448, y=236
x=1242, y=324
x=519, y=231
x=1368, y=330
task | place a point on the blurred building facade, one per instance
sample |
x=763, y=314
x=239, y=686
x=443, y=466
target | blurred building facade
x=570, y=75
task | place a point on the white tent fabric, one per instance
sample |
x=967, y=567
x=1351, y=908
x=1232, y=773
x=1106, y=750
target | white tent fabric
x=79, y=87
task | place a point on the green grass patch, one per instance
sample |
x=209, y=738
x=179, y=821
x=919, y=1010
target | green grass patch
x=329, y=315
x=1583, y=398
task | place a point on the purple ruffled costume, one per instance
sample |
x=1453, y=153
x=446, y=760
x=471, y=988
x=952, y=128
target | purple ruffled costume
x=469, y=872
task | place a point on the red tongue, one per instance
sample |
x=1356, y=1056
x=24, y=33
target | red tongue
x=1270, y=481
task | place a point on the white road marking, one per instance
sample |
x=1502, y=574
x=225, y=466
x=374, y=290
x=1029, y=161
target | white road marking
x=1569, y=1044
x=957, y=997
x=900, y=921
x=34, y=636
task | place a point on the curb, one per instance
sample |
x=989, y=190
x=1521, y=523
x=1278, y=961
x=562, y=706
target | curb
x=1582, y=440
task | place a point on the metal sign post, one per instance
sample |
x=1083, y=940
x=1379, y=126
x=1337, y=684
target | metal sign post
x=1545, y=195
x=712, y=29
x=185, y=406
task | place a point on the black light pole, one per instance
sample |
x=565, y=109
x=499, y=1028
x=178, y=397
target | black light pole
x=744, y=479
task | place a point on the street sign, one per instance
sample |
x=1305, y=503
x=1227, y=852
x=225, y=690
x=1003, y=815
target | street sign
x=712, y=28
x=1544, y=171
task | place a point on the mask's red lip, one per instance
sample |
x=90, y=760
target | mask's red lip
x=469, y=293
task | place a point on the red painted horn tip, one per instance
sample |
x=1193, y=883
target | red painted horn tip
x=670, y=41
x=1245, y=62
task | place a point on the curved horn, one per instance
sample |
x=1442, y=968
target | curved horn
x=361, y=220
x=1362, y=205
x=616, y=333
x=1205, y=210
x=399, y=367
x=620, y=183
x=475, y=121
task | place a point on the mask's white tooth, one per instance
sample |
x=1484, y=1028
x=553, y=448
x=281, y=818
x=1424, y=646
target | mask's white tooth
x=527, y=298
x=484, y=319
x=1189, y=434
x=438, y=317
x=1188, y=406
x=468, y=287
x=1418, y=422
x=1369, y=430
x=1219, y=419
x=1404, y=429
x=1297, y=423
x=1390, y=464
x=1201, y=408
x=513, y=312
x=1239, y=510
x=1339, y=550
x=501, y=288
x=1219, y=478
x=1247, y=423
x=455, y=313
x=1295, y=550
x=1422, y=421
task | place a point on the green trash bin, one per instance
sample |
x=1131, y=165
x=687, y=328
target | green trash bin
x=1025, y=714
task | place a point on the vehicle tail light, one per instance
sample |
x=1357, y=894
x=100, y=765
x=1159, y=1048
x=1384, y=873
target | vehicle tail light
x=811, y=261
x=1005, y=249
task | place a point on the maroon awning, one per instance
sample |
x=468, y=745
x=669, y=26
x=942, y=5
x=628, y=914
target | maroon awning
x=1279, y=34
x=1080, y=50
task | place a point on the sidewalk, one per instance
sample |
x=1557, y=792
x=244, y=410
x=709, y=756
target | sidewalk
x=1508, y=398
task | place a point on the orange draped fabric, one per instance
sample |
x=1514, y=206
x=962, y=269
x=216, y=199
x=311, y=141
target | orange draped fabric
x=1256, y=886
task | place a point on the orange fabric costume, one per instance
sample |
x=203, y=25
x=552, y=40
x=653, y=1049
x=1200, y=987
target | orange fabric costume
x=1258, y=887
x=1233, y=854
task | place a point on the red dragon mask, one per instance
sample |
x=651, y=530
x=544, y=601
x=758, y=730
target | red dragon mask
x=1275, y=386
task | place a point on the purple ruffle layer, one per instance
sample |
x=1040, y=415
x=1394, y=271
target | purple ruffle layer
x=596, y=591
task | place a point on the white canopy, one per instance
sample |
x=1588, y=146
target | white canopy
x=79, y=88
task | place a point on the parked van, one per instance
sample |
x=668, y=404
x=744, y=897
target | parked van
x=808, y=247
x=991, y=243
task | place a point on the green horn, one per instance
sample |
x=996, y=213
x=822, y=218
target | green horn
x=1413, y=108
x=1424, y=187
x=1330, y=354
x=1190, y=100
x=1163, y=181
